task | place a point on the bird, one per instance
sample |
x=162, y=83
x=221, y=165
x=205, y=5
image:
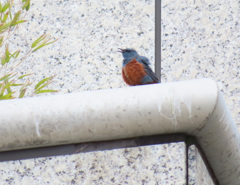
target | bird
x=135, y=68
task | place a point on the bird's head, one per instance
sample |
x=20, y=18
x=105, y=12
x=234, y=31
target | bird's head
x=128, y=53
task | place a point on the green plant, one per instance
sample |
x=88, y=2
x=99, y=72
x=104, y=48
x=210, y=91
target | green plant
x=12, y=83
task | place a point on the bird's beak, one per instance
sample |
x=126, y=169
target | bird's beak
x=121, y=50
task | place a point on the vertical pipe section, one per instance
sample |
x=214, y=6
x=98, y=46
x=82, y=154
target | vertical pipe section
x=158, y=38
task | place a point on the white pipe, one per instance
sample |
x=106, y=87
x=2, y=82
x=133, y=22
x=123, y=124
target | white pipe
x=194, y=107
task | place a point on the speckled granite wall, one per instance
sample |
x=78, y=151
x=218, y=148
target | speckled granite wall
x=90, y=32
x=201, y=39
x=156, y=164
x=197, y=170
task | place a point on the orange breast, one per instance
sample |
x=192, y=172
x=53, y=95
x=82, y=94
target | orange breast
x=133, y=72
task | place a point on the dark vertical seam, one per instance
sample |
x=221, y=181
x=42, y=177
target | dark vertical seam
x=187, y=162
x=158, y=38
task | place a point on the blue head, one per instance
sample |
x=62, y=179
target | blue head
x=129, y=53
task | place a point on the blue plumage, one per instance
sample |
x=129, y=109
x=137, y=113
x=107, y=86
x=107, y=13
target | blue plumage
x=129, y=55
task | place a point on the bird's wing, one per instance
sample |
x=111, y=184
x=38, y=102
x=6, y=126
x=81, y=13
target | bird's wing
x=143, y=60
x=146, y=63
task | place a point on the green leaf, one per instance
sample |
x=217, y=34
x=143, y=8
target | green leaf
x=7, y=96
x=5, y=77
x=36, y=42
x=5, y=26
x=5, y=17
x=23, y=76
x=15, y=54
x=42, y=41
x=7, y=85
x=7, y=53
x=26, y=5
x=46, y=91
x=3, y=61
x=15, y=18
x=18, y=22
x=42, y=82
x=5, y=7
x=42, y=86
x=14, y=85
x=0, y=7
x=8, y=88
x=7, y=56
x=43, y=45
x=22, y=92
x=1, y=40
x=10, y=14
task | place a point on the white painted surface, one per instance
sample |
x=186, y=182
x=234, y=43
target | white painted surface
x=194, y=107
